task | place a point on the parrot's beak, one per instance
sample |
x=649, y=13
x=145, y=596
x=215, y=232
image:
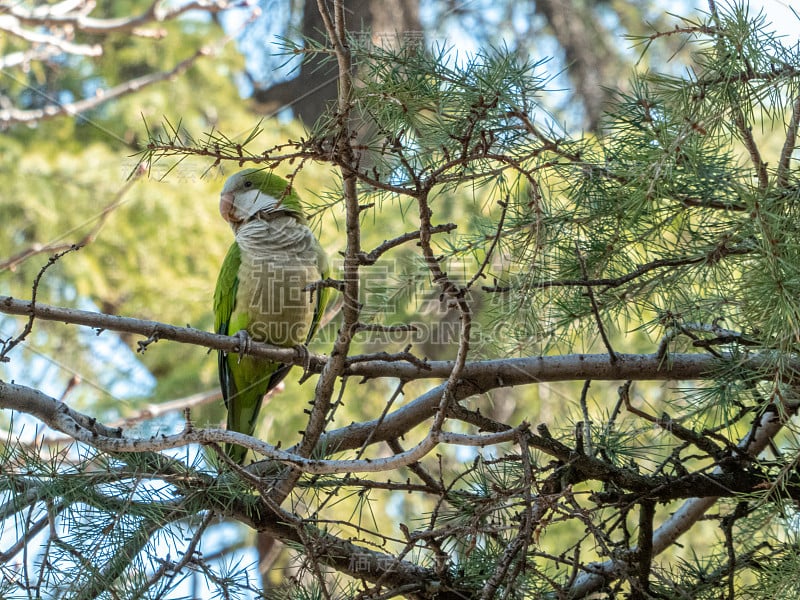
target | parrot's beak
x=226, y=208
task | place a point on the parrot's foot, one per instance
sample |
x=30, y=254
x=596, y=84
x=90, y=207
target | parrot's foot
x=302, y=352
x=245, y=341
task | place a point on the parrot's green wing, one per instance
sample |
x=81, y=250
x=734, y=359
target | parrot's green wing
x=322, y=294
x=244, y=380
x=224, y=301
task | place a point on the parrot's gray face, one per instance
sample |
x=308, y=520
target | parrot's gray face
x=239, y=205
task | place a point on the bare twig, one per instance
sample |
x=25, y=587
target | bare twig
x=587, y=422
x=490, y=251
x=644, y=554
x=370, y=258
x=595, y=309
x=58, y=246
x=7, y=346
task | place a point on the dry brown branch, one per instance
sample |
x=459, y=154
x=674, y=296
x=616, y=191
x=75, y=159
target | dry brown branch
x=334, y=368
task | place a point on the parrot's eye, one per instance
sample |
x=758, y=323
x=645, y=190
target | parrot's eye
x=248, y=184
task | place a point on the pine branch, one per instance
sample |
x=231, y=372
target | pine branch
x=599, y=574
x=145, y=413
x=82, y=428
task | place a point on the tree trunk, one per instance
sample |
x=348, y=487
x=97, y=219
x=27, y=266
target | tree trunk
x=309, y=93
x=590, y=60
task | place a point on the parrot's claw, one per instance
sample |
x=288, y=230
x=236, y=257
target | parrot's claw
x=245, y=341
x=305, y=355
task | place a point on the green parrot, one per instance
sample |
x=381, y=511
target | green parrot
x=261, y=290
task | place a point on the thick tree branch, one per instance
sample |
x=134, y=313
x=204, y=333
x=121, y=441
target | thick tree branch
x=83, y=428
x=10, y=27
x=145, y=413
x=478, y=376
